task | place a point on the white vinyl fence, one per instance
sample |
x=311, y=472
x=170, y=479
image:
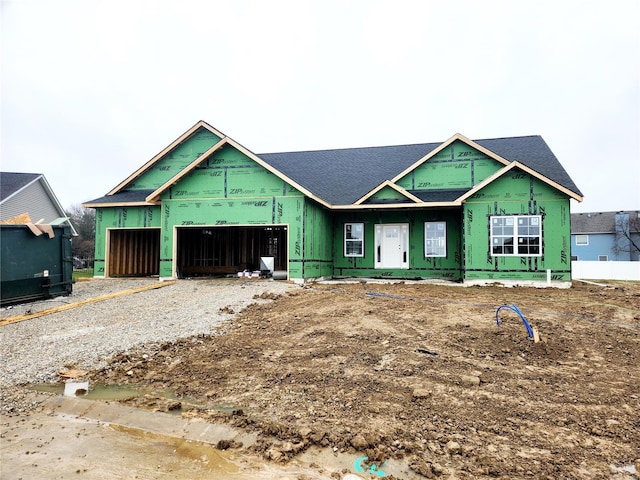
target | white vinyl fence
x=605, y=270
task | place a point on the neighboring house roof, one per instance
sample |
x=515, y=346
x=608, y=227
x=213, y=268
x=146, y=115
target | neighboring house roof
x=601, y=222
x=30, y=193
x=12, y=183
x=345, y=178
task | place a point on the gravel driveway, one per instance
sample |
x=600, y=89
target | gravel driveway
x=32, y=351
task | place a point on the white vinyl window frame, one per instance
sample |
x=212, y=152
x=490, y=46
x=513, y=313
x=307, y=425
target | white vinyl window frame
x=582, y=240
x=516, y=235
x=353, y=240
x=435, y=239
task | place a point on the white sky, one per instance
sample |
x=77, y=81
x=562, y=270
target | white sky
x=91, y=90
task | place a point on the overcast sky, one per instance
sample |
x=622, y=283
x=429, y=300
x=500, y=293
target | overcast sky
x=91, y=90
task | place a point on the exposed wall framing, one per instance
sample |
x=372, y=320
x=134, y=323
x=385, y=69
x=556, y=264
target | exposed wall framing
x=134, y=252
x=204, y=251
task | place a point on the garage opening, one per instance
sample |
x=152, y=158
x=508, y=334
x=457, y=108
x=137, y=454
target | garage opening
x=134, y=252
x=216, y=251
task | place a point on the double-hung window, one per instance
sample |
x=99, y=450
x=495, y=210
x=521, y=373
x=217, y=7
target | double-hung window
x=354, y=239
x=516, y=235
x=582, y=239
x=435, y=239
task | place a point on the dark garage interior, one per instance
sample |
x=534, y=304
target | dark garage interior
x=214, y=251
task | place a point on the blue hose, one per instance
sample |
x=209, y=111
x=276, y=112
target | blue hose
x=513, y=308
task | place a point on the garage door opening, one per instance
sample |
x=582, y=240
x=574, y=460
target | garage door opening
x=134, y=252
x=218, y=251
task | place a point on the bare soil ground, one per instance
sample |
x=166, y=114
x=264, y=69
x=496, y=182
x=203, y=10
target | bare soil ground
x=420, y=372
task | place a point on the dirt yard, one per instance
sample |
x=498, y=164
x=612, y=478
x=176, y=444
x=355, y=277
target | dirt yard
x=421, y=373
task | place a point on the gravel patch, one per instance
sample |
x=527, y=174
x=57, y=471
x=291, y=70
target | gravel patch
x=32, y=351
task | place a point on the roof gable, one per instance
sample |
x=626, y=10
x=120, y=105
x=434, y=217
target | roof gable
x=388, y=192
x=223, y=171
x=515, y=166
x=457, y=166
x=172, y=160
x=444, y=153
x=165, y=170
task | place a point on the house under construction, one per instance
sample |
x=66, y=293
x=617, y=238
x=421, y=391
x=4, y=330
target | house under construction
x=475, y=211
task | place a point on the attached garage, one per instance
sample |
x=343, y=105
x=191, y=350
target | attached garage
x=221, y=250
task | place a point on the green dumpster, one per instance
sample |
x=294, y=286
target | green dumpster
x=35, y=262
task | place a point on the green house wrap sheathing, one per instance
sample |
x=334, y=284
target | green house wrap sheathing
x=420, y=266
x=120, y=218
x=308, y=227
x=229, y=173
x=514, y=194
x=175, y=161
x=455, y=167
x=388, y=193
x=315, y=242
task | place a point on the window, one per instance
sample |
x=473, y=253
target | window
x=574, y=258
x=582, y=239
x=519, y=235
x=354, y=239
x=435, y=239
x=603, y=258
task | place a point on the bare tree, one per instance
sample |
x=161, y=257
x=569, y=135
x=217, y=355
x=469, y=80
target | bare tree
x=84, y=221
x=627, y=233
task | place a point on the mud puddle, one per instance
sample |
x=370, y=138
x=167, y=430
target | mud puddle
x=166, y=400
x=96, y=392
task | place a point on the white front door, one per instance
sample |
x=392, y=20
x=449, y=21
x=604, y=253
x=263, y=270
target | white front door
x=392, y=246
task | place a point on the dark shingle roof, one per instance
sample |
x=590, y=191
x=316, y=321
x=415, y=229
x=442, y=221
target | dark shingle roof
x=534, y=152
x=127, y=196
x=599, y=222
x=11, y=182
x=341, y=177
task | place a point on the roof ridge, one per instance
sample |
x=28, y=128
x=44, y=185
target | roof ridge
x=506, y=138
x=349, y=148
x=416, y=144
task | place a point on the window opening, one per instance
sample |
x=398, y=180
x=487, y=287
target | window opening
x=354, y=239
x=435, y=239
x=516, y=235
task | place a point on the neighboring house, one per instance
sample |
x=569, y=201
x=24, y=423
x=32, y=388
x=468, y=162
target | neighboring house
x=480, y=211
x=30, y=193
x=605, y=236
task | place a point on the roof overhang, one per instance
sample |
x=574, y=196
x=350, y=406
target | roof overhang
x=117, y=204
x=396, y=206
